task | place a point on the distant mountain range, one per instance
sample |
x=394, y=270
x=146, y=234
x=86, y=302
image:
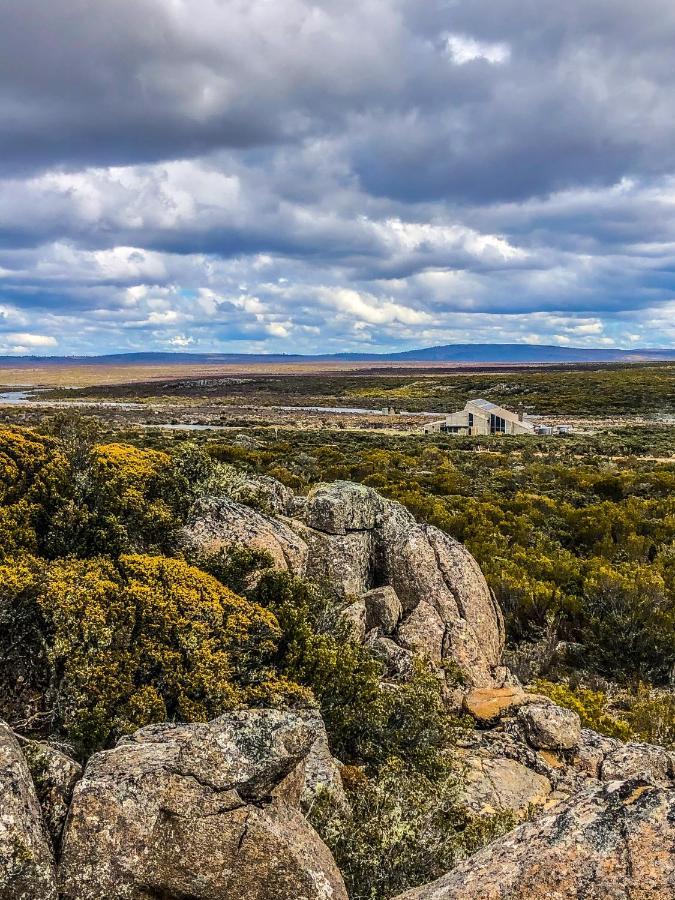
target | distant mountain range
x=451, y=353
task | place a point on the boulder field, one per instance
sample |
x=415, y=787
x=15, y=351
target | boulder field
x=216, y=811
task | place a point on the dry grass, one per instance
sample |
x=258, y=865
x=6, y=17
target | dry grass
x=84, y=375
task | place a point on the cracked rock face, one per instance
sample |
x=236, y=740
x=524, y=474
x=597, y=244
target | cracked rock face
x=217, y=523
x=26, y=863
x=199, y=811
x=614, y=842
x=433, y=597
x=422, y=588
x=54, y=775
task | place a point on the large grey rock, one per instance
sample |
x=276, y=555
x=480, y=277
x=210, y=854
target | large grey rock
x=629, y=760
x=424, y=632
x=342, y=507
x=342, y=563
x=550, y=727
x=321, y=771
x=54, y=775
x=354, y=618
x=217, y=523
x=499, y=784
x=423, y=589
x=383, y=609
x=614, y=842
x=26, y=863
x=424, y=565
x=398, y=662
x=266, y=494
x=202, y=811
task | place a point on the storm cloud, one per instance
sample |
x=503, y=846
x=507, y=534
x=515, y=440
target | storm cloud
x=382, y=174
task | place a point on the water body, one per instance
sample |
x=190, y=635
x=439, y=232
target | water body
x=26, y=398
x=347, y=410
x=14, y=398
x=186, y=426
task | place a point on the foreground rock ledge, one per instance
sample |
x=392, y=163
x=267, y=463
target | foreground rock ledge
x=613, y=843
x=205, y=812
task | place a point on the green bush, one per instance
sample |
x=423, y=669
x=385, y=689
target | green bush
x=401, y=829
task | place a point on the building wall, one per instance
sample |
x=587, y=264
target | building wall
x=477, y=420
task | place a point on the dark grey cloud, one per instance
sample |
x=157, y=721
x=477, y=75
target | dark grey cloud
x=374, y=173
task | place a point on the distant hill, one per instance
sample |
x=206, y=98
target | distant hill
x=457, y=353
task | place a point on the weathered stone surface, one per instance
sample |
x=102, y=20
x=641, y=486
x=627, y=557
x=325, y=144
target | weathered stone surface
x=266, y=494
x=342, y=563
x=488, y=705
x=628, y=760
x=26, y=864
x=321, y=771
x=424, y=565
x=354, y=617
x=614, y=842
x=423, y=631
x=54, y=775
x=499, y=784
x=423, y=589
x=550, y=727
x=200, y=811
x=398, y=661
x=592, y=749
x=383, y=609
x=219, y=522
x=343, y=506
x=475, y=601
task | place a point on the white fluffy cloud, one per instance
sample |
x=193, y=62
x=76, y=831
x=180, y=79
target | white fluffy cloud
x=326, y=176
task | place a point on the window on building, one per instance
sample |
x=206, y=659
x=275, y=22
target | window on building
x=497, y=424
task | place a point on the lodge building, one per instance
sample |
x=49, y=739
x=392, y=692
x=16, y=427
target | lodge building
x=481, y=417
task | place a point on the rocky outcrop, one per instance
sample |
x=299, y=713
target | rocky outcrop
x=614, y=842
x=499, y=784
x=26, y=863
x=422, y=589
x=199, y=811
x=549, y=743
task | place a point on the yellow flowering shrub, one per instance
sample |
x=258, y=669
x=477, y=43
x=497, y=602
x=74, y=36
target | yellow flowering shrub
x=146, y=639
x=33, y=480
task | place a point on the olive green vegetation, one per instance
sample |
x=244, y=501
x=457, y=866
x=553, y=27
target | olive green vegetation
x=568, y=537
x=104, y=628
x=138, y=640
x=404, y=823
x=572, y=390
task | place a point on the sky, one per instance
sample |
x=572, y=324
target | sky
x=364, y=175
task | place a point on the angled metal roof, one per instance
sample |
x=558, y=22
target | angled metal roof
x=484, y=404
